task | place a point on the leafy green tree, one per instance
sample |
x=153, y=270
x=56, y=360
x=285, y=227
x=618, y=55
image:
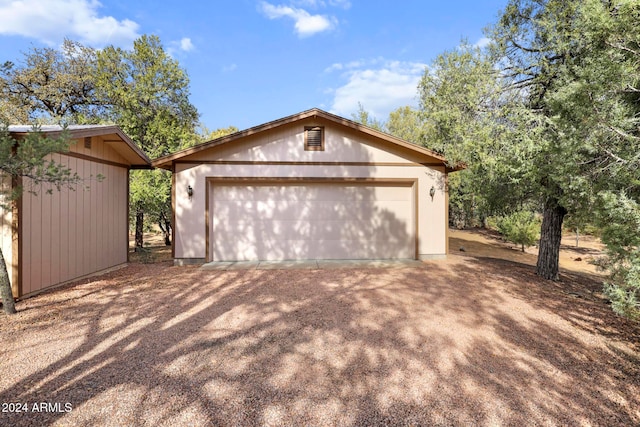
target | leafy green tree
x=576, y=64
x=537, y=42
x=605, y=100
x=520, y=228
x=148, y=96
x=564, y=128
x=144, y=91
x=51, y=85
x=454, y=92
x=26, y=166
x=152, y=189
x=364, y=117
x=619, y=216
x=467, y=114
x=10, y=111
x=150, y=192
x=206, y=134
x=405, y=123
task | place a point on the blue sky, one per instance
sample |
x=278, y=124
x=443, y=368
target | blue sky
x=253, y=61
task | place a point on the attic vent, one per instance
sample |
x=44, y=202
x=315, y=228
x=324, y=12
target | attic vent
x=314, y=138
x=87, y=142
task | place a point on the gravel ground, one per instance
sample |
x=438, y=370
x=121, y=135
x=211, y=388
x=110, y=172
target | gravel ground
x=467, y=341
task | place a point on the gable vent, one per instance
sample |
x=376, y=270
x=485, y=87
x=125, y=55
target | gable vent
x=314, y=138
x=87, y=142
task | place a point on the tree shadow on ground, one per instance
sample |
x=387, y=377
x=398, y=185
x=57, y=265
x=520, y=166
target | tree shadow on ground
x=468, y=341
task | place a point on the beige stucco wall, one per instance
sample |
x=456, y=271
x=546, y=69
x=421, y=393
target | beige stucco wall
x=286, y=144
x=71, y=233
x=374, y=158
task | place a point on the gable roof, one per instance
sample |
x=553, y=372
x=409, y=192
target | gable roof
x=166, y=161
x=120, y=143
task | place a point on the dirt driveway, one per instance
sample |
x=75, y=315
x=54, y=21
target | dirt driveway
x=468, y=341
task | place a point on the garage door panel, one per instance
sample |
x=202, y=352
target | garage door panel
x=313, y=221
x=307, y=249
x=274, y=210
x=351, y=229
x=309, y=192
x=312, y=210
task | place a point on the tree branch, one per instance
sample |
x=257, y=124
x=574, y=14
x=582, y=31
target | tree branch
x=526, y=49
x=622, y=47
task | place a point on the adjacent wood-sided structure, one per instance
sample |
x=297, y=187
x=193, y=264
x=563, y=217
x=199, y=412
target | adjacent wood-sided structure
x=49, y=239
x=309, y=186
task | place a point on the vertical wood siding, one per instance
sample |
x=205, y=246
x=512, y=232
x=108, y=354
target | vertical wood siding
x=75, y=232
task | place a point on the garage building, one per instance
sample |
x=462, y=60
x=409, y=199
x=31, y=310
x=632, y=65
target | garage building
x=50, y=237
x=308, y=186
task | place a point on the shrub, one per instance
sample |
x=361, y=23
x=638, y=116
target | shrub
x=619, y=218
x=521, y=228
x=623, y=284
x=491, y=222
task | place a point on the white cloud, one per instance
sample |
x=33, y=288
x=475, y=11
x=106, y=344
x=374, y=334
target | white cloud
x=482, y=43
x=183, y=45
x=379, y=89
x=51, y=20
x=186, y=44
x=305, y=23
x=353, y=64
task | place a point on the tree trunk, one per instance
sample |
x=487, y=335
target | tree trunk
x=167, y=234
x=8, y=303
x=550, y=237
x=165, y=226
x=139, y=229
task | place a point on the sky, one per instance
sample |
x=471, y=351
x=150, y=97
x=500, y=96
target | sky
x=254, y=61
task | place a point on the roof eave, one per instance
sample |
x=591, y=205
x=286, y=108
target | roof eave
x=165, y=162
x=100, y=131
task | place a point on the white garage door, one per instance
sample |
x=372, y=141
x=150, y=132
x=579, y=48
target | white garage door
x=311, y=221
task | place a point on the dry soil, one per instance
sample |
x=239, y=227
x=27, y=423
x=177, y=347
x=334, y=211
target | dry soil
x=477, y=339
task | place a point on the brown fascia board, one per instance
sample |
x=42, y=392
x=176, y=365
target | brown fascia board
x=165, y=162
x=132, y=145
x=393, y=139
x=98, y=130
